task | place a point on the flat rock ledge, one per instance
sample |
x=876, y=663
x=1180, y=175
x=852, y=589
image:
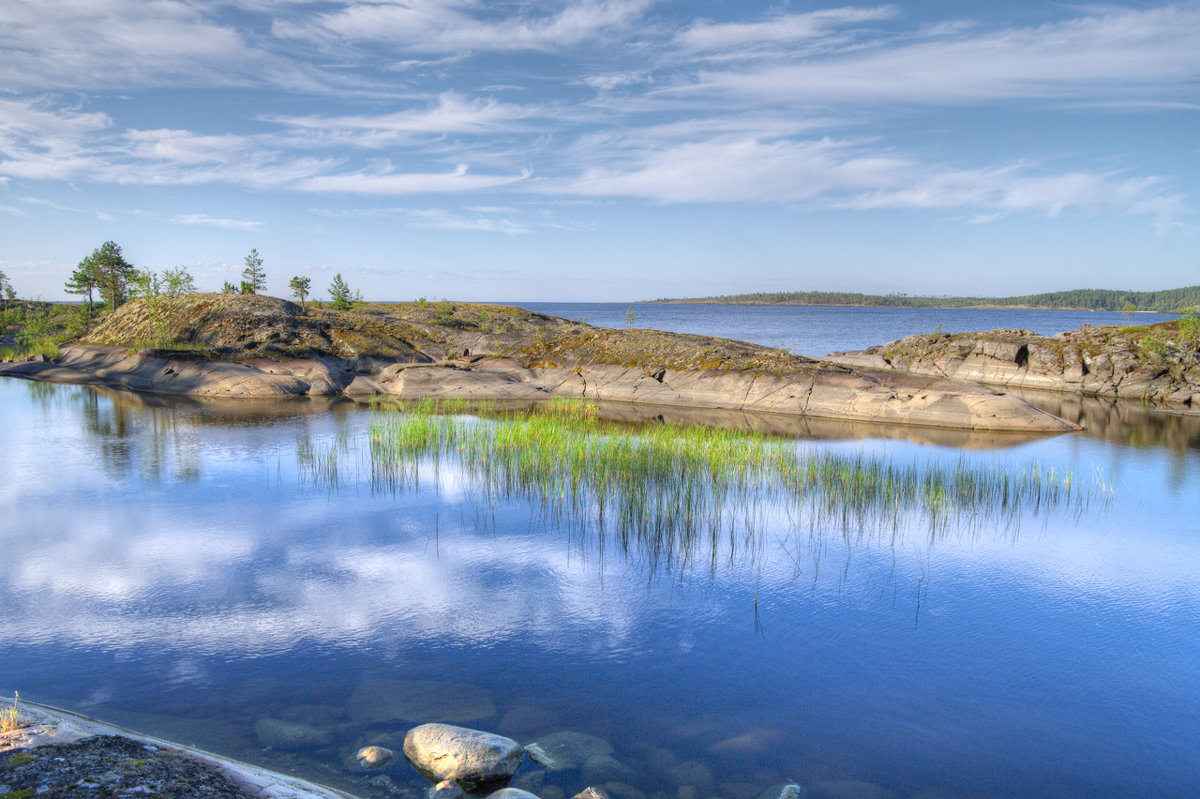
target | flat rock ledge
x=58, y=748
x=828, y=392
x=1076, y=362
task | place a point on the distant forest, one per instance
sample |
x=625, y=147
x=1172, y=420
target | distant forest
x=1168, y=300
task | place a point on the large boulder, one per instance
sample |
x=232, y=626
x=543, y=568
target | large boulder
x=472, y=758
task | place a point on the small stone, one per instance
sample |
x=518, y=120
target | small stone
x=511, y=793
x=374, y=756
x=592, y=793
x=446, y=789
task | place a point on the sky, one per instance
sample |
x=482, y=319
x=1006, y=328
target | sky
x=604, y=150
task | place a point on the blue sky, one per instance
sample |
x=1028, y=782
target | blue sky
x=605, y=149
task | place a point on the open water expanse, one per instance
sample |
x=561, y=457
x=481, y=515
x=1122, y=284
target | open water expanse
x=213, y=572
x=819, y=330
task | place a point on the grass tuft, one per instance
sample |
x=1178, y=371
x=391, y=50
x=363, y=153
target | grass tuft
x=10, y=717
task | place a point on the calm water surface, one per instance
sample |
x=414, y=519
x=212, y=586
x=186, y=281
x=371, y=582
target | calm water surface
x=820, y=330
x=176, y=567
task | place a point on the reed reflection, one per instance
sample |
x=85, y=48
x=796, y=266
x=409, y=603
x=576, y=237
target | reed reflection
x=678, y=496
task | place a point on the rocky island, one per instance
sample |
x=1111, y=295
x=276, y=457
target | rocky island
x=223, y=345
x=1157, y=364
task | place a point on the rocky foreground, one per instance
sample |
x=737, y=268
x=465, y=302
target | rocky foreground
x=1157, y=364
x=254, y=346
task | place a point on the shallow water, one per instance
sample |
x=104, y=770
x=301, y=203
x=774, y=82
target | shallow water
x=172, y=566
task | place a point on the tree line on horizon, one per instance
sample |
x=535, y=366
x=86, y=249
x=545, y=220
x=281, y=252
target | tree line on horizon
x=1167, y=301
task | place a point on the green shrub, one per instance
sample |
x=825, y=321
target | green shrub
x=1152, y=349
x=1189, y=328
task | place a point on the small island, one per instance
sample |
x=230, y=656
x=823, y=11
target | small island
x=253, y=346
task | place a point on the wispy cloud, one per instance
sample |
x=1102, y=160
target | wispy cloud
x=452, y=113
x=204, y=219
x=850, y=174
x=451, y=26
x=438, y=219
x=1146, y=53
x=388, y=182
x=79, y=43
x=782, y=29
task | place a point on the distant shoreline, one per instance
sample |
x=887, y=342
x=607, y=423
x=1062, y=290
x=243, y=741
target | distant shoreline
x=714, y=303
x=1167, y=301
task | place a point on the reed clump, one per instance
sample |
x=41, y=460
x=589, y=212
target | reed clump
x=669, y=485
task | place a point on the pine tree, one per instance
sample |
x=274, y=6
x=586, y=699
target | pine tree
x=340, y=296
x=111, y=272
x=254, y=278
x=83, y=281
x=300, y=286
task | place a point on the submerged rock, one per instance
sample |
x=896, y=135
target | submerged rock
x=374, y=756
x=566, y=750
x=851, y=789
x=603, y=768
x=512, y=793
x=419, y=701
x=472, y=758
x=446, y=789
x=784, y=790
x=290, y=735
x=592, y=793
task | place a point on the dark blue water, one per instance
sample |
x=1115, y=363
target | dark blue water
x=175, y=566
x=818, y=330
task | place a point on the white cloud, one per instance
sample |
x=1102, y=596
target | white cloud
x=828, y=173
x=731, y=168
x=449, y=26
x=614, y=80
x=782, y=29
x=203, y=219
x=452, y=113
x=1150, y=53
x=388, y=182
x=438, y=219
x=89, y=43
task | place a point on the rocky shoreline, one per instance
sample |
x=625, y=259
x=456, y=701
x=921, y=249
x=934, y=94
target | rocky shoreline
x=57, y=753
x=258, y=347
x=1156, y=364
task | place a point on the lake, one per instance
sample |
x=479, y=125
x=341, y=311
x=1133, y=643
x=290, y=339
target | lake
x=820, y=330
x=212, y=571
